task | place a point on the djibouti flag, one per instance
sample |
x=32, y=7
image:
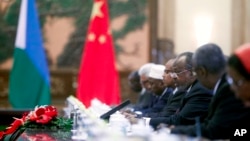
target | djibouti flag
x=29, y=83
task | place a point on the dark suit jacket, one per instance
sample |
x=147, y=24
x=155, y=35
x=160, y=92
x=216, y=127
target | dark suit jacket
x=225, y=114
x=144, y=101
x=173, y=103
x=195, y=104
x=159, y=103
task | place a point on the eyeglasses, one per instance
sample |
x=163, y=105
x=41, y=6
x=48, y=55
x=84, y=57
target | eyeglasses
x=175, y=74
x=231, y=81
x=181, y=72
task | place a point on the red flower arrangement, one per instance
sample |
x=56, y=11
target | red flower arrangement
x=41, y=117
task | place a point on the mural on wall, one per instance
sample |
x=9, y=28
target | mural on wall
x=129, y=26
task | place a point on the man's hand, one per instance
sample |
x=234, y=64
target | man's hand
x=127, y=110
x=132, y=119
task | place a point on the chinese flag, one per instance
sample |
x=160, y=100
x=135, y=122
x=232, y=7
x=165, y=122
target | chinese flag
x=98, y=77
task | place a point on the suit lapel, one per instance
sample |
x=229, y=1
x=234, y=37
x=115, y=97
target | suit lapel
x=216, y=98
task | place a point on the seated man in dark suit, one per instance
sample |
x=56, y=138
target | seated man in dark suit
x=158, y=88
x=146, y=96
x=225, y=111
x=135, y=85
x=174, y=100
x=195, y=99
x=134, y=81
x=161, y=93
x=194, y=102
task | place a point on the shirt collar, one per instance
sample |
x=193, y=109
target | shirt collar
x=216, y=86
x=189, y=88
x=143, y=91
x=175, y=90
x=163, y=93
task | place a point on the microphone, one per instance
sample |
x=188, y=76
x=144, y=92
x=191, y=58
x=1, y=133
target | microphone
x=198, y=127
x=107, y=115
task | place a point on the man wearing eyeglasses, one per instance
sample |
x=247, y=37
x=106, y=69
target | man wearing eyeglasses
x=174, y=100
x=194, y=102
x=157, y=86
x=146, y=97
x=226, y=113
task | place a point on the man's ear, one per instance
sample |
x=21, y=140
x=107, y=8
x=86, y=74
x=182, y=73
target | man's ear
x=203, y=72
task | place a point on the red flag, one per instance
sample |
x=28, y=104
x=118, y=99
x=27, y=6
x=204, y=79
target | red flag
x=98, y=77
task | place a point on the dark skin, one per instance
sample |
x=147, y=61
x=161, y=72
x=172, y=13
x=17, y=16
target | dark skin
x=240, y=85
x=156, y=86
x=167, y=79
x=134, y=81
x=183, y=77
x=207, y=79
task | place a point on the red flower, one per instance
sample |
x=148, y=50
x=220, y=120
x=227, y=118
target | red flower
x=40, y=111
x=14, y=125
x=1, y=135
x=43, y=114
x=34, y=115
x=43, y=119
x=51, y=111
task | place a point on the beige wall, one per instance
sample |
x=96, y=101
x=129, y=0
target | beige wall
x=135, y=46
x=240, y=22
x=218, y=11
x=185, y=13
x=57, y=32
x=166, y=19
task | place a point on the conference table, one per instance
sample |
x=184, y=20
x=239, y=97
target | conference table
x=92, y=128
x=59, y=135
x=45, y=135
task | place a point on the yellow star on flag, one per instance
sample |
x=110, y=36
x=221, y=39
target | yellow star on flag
x=91, y=37
x=102, y=39
x=96, y=11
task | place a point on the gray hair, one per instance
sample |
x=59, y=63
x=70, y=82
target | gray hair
x=145, y=69
x=211, y=57
x=187, y=56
